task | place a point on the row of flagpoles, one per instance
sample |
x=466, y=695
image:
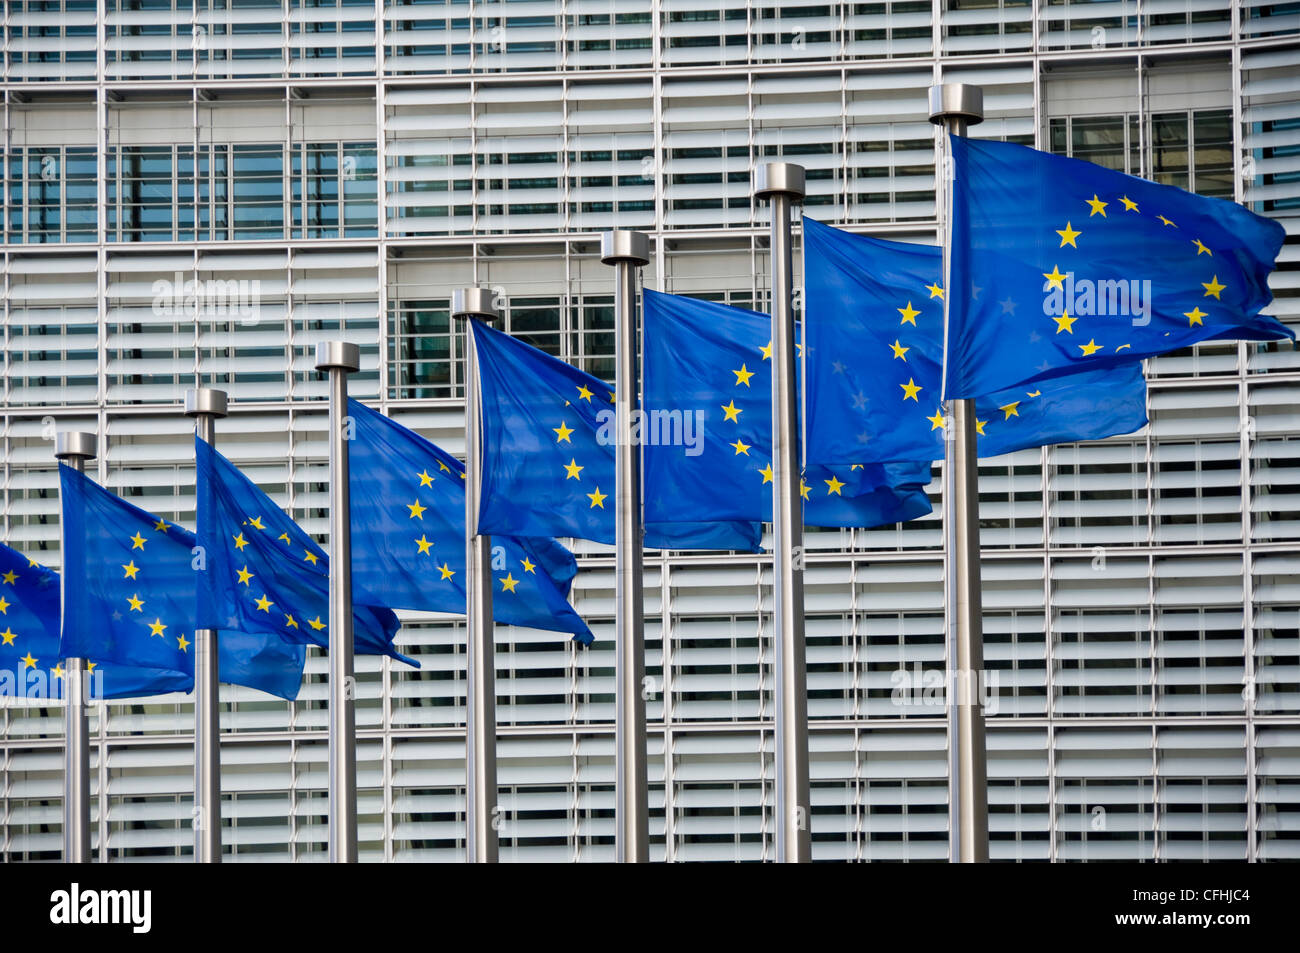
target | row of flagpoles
x=1083, y=391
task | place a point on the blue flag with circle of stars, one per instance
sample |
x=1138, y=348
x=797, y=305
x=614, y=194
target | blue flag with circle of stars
x=30, y=663
x=408, y=535
x=1103, y=267
x=130, y=598
x=875, y=363
x=711, y=361
x=265, y=574
x=548, y=454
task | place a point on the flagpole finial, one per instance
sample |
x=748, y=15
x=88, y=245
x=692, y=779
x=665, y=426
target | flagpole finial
x=205, y=402
x=338, y=354
x=779, y=178
x=624, y=245
x=474, y=303
x=76, y=445
x=960, y=101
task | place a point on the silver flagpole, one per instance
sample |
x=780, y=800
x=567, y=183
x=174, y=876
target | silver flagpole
x=782, y=183
x=955, y=106
x=75, y=449
x=627, y=251
x=340, y=359
x=205, y=405
x=481, y=809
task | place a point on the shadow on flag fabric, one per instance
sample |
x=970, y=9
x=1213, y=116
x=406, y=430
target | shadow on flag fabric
x=708, y=372
x=548, y=454
x=131, y=583
x=408, y=535
x=875, y=363
x=1085, y=268
x=30, y=664
x=265, y=574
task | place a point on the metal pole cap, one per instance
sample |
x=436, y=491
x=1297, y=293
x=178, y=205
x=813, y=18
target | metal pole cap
x=624, y=245
x=956, y=101
x=474, y=303
x=338, y=355
x=779, y=178
x=205, y=401
x=75, y=444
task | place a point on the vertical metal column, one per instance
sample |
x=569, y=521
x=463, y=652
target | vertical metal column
x=75, y=449
x=339, y=359
x=627, y=251
x=481, y=842
x=782, y=183
x=206, y=405
x=956, y=106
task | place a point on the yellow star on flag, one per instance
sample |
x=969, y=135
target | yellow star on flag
x=1194, y=317
x=28, y=661
x=732, y=412
x=741, y=447
x=529, y=565
x=743, y=375
x=1098, y=206
x=8, y=635
x=1054, y=279
x=1129, y=204
x=156, y=627
x=767, y=351
x=1065, y=323
x=803, y=488
x=1201, y=249
x=767, y=473
x=909, y=314
x=1092, y=347
x=597, y=499
x=898, y=349
x=424, y=544
x=417, y=511
x=446, y=572
x=137, y=541
x=562, y=433
x=979, y=426
x=508, y=583
x=316, y=623
x=936, y=421
x=11, y=577
x=425, y=478
x=584, y=393
x=1011, y=409
x=833, y=485
x=290, y=621
x=285, y=537
x=264, y=603
x=182, y=643
x=130, y=569
x=572, y=469
x=256, y=523
x=137, y=604
x=311, y=557
x=240, y=542
x=911, y=389
x=160, y=526
x=1068, y=235
x=935, y=291
x=1212, y=287
x=1166, y=221
x=245, y=575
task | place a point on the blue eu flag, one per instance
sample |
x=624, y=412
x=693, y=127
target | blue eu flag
x=408, y=535
x=708, y=377
x=264, y=573
x=30, y=663
x=875, y=363
x=548, y=454
x=130, y=596
x=1084, y=268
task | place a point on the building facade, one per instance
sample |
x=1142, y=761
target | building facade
x=199, y=192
